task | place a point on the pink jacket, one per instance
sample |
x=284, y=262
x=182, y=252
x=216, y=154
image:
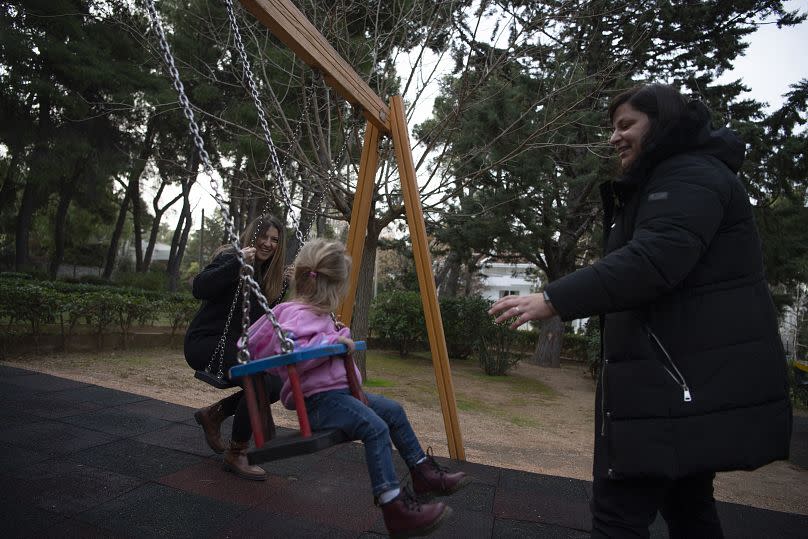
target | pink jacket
x=305, y=327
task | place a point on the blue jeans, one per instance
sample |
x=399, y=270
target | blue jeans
x=375, y=424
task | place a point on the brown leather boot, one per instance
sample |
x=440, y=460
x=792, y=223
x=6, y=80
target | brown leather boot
x=430, y=478
x=405, y=517
x=211, y=419
x=235, y=460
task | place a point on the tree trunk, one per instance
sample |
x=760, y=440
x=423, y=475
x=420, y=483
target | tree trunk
x=360, y=323
x=25, y=218
x=9, y=189
x=140, y=164
x=548, y=349
x=112, y=250
x=155, y=228
x=180, y=239
x=132, y=191
x=66, y=192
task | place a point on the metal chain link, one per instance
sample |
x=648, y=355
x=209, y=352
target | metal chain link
x=286, y=344
x=273, y=154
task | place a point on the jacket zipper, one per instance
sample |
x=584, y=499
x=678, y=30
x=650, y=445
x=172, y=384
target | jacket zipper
x=604, y=364
x=677, y=377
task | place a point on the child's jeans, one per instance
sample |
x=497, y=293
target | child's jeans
x=375, y=424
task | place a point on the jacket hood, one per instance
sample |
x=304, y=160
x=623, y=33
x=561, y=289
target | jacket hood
x=692, y=134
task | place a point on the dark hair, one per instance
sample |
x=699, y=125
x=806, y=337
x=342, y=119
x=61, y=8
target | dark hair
x=664, y=105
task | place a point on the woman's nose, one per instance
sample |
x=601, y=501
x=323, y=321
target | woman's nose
x=613, y=139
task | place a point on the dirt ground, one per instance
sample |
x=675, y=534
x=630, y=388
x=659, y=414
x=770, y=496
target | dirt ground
x=556, y=440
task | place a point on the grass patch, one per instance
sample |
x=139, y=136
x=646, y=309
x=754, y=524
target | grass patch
x=378, y=382
x=515, y=383
x=522, y=421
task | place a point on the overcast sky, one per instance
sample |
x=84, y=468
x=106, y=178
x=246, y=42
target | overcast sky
x=776, y=58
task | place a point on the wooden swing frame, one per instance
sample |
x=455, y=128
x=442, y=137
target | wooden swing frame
x=292, y=27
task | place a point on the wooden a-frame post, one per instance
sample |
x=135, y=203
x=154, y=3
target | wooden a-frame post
x=292, y=27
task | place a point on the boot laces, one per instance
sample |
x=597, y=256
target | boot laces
x=409, y=499
x=430, y=458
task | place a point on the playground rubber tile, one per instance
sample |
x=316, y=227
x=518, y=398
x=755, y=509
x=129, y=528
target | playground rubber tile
x=543, y=505
x=153, y=510
x=136, y=459
x=209, y=479
x=21, y=519
x=113, y=421
x=6, y=371
x=480, y=473
x=75, y=529
x=181, y=437
x=10, y=415
x=474, y=497
x=13, y=393
x=53, y=438
x=48, y=406
x=516, y=481
x=39, y=383
x=744, y=522
x=261, y=524
x=517, y=529
x=294, y=467
x=159, y=410
x=334, y=472
x=467, y=524
x=99, y=395
x=12, y=457
x=67, y=488
x=347, y=507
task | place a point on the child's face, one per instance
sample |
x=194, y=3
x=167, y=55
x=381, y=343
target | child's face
x=267, y=244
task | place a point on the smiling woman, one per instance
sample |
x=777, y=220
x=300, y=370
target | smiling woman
x=210, y=341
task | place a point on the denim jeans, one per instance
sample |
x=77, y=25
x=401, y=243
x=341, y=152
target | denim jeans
x=375, y=424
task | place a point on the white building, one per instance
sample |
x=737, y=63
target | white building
x=502, y=279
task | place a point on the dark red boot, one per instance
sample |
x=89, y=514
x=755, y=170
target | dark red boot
x=405, y=517
x=430, y=478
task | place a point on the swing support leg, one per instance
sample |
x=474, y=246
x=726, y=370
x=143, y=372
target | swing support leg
x=252, y=408
x=300, y=404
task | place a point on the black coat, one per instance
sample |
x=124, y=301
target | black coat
x=216, y=285
x=694, y=374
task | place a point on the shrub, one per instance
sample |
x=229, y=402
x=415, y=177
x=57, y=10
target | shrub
x=495, y=349
x=398, y=317
x=462, y=318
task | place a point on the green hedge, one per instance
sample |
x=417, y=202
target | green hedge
x=397, y=318
x=100, y=307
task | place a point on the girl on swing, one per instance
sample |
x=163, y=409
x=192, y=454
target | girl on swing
x=321, y=280
x=217, y=286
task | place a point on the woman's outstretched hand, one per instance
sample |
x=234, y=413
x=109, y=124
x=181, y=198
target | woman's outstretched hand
x=522, y=309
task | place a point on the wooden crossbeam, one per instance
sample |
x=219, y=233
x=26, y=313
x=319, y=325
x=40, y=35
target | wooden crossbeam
x=292, y=27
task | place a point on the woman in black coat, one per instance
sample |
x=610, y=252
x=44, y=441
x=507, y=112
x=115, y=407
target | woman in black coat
x=216, y=285
x=693, y=379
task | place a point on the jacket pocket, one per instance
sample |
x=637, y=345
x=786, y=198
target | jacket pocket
x=669, y=365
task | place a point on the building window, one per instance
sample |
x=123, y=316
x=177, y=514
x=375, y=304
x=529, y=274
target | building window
x=503, y=293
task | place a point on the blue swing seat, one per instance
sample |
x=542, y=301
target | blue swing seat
x=293, y=444
x=302, y=354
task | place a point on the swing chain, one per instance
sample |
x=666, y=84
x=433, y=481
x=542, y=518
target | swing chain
x=262, y=118
x=252, y=285
x=218, y=352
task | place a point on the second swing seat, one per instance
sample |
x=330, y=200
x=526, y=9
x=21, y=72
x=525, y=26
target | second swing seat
x=302, y=442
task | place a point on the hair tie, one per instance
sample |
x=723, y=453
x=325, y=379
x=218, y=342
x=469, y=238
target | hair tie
x=313, y=274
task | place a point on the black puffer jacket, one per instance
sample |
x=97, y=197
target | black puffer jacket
x=694, y=374
x=216, y=285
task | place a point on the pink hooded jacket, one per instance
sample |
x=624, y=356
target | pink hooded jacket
x=305, y=327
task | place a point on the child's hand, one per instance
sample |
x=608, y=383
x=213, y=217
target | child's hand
x=347, y=342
